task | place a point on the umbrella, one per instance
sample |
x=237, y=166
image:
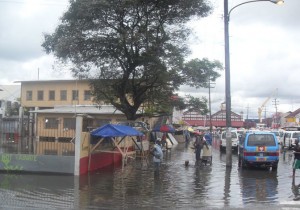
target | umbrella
x=197, y=133
x=190, y=129
x=167, y=128
x=164, y=128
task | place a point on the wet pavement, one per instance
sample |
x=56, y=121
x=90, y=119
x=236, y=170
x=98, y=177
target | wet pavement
x=176, y=186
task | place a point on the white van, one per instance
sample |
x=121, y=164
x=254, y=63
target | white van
x=234, y=140
x=289, y=138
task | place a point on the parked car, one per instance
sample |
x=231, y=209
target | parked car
x=289, y=138
x=258, y=149
x=234, y=140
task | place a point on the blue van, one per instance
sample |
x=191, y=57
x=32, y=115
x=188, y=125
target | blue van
x=258, y=149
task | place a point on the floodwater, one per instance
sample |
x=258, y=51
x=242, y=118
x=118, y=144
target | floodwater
x=174, y=187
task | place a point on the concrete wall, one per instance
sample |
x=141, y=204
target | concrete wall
x=37, y=163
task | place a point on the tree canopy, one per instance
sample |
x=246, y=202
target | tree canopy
x=132, y=50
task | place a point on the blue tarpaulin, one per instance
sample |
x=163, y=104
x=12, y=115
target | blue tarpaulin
x=111, y=130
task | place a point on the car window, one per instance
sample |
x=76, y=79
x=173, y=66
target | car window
x=296, y=135
x=261, y=140
x=233, y=135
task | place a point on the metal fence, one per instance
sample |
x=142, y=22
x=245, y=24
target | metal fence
x=39, y=139
x=46, y=136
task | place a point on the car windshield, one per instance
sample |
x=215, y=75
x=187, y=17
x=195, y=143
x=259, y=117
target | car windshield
x=261, y=140
x=233, y=135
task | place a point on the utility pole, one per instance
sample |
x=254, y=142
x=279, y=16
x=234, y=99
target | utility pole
x=227, y=86
x=247, y=111
x=209, y=101
x=265, y=115
x=227, y=73
x=276, y=116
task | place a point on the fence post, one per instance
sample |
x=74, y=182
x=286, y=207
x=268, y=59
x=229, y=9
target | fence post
x=79, y=120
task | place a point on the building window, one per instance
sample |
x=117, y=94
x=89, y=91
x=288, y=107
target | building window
x=51, y=123
x=63, y=95
x=51, y=95
x=40, y=95
x=87, y=95
x=74, y=94
x=29, y=95
x=69, y=123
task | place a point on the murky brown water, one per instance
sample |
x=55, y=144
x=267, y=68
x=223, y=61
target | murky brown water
x=175, y=187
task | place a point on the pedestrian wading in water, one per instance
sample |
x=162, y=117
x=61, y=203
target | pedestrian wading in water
x=157, y=154
x=198, y=145
x=296, y=164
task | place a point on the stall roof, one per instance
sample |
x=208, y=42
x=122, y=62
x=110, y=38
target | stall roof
x=111, y=130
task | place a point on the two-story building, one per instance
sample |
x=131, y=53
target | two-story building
x=218, y=119
x=53, y=105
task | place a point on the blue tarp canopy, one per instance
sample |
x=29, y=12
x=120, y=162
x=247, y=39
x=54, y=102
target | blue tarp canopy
x=111, y=130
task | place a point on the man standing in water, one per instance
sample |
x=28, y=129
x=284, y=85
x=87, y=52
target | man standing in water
x=296, y=164
x=198, y=145
x=157, y=154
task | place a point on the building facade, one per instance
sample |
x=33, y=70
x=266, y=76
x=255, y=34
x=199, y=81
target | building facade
x=218, y=119
x=52, y=107
x=49, y=93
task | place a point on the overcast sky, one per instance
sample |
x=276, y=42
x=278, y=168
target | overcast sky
x=22, y=24
x=264, y=50
x=264, y=55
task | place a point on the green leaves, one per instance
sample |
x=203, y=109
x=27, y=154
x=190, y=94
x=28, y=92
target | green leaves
x=198, y=72
x=132, y=50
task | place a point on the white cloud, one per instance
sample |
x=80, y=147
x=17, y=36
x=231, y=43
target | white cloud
x=22, y=25
x=263, y=54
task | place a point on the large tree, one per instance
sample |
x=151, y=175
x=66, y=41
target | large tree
x=132, y=50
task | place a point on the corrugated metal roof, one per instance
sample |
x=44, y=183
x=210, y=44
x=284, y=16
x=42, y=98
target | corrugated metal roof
x=293, y=114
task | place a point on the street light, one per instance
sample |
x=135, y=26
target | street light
x=227, y=73
x=278, y=2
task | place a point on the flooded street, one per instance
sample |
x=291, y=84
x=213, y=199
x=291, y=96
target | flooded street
x=175, y=187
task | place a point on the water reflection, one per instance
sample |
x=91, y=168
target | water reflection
x=227, y=186
x=258, y=185
x=201, y=180
x=137, y=186
x=36, y=191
